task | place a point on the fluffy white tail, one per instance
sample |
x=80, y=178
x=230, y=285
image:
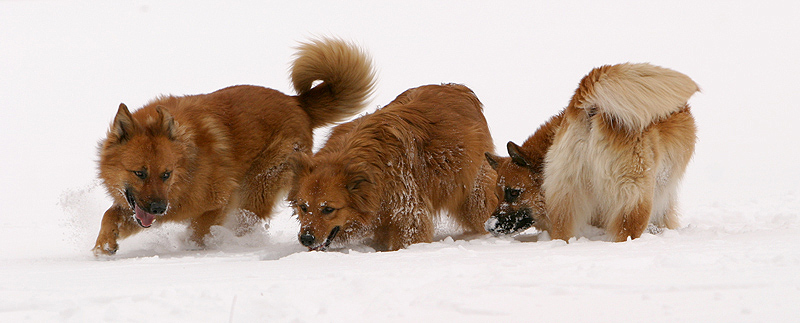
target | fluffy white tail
x=635, y=95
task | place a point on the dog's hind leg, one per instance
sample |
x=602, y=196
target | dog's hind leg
x=668, y=178
x=479, y=203
x=409, y=223
x=266, y=182
x=630, y=204
x=398, y=235
x=201, y=225
x=633, y=222
x=260, y=194
x=668, y=217
x=561, y=213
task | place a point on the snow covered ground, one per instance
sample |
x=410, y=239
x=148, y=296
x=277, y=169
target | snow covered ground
x=66, y=65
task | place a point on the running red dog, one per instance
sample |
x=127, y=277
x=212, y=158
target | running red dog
x=613, y=158
x=380, y=179
x=198, y=158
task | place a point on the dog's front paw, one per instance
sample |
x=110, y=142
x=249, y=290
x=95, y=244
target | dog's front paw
x=104, y=251
x=105, y=248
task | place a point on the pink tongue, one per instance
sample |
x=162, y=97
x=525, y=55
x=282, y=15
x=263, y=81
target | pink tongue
x=145, y=218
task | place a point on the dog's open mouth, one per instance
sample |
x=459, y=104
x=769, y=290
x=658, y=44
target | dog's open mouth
x=325, y=244
x=142, y=217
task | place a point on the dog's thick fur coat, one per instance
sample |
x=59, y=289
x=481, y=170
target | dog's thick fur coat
x=198, y=158
x=613, y=158
x=380, y=179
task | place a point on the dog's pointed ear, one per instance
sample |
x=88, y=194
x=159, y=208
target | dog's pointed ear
x=167, y=122
x=355, y=183
x=122, y=126
x=357, y=177
x=300, y=165
x=362, y=186
x=517, y=155
x=492, y=159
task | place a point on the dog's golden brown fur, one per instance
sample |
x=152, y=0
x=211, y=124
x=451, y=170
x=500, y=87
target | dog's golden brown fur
x=613, y=158
x=381, y=179
x=197, y=158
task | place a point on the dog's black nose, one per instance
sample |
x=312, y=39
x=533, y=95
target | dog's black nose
x=157, y=207
x=307, y=239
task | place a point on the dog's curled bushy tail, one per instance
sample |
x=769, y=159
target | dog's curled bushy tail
x=347, y=75
x=634, y=95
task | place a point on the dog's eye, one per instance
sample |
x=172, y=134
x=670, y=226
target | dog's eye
x=511, y=194
x=328, y=210
x=304, y=207
x=165, y=176
x=140, y=174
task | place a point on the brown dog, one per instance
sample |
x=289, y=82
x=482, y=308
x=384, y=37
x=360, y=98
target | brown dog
x=613, y=158
x=197, y=158
x=381, y=179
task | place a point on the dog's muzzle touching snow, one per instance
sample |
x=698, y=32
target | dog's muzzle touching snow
x=308, y=239
x=503, y=223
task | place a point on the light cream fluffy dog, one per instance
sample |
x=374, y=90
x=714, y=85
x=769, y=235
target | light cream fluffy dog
x=613, y=158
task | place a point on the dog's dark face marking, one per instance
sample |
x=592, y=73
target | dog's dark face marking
x=519, y=190
x=502, y=223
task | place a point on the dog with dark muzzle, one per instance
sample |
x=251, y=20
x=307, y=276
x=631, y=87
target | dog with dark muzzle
x=612, y=159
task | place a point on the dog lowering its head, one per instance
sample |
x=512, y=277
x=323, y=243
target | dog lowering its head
x=381, y=179
x=613, y=158
x=197, y=158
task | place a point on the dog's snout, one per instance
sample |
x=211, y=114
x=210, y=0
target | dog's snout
x=502, y=223
x=307, y=239
x=157, y=207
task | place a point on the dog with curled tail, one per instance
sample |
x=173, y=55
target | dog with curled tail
x=197, y=158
